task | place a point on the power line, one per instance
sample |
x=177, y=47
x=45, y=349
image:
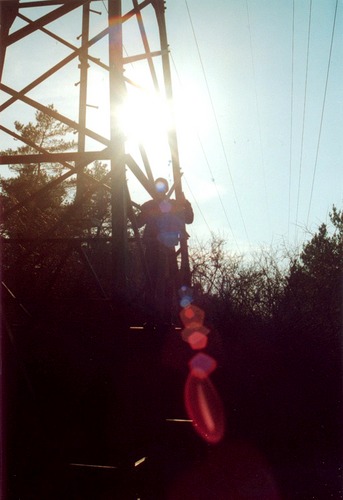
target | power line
x=217, y=123
x=291, y=126
x=304, y=114
x=323, y=107
x=210, y=171
x=197, y=204
x=257, y=111
x=217, y=191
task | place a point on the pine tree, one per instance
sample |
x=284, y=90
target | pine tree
x=36, y=213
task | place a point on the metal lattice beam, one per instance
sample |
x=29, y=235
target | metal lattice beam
x=94, y=144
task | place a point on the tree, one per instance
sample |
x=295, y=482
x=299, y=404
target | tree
x=47, y=201
x=39, y=213
x=46, y=133
x=246, y=289
x=43, y=216
x=313, y=294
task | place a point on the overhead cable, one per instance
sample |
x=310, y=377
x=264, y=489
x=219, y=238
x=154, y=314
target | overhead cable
x=217, y=123
x=197, y=204
x=291, y=127
x=258, y=112
x=323, y=108
x=210, y=171
x=304, y=115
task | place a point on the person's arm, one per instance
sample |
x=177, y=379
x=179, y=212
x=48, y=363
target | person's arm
x=189, y=214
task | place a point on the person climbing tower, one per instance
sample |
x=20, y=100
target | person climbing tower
x=164, y=220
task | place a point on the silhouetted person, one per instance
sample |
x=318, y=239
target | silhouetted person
x=164, y=221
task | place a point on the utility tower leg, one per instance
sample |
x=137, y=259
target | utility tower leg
x=118, y=180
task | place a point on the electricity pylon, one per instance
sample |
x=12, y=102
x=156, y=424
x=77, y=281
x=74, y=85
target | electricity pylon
x=88, y=57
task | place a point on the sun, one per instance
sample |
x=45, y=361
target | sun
x=145, y=119
x=144, y=115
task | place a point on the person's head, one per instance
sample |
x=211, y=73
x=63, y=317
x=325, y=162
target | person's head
x=161, y=187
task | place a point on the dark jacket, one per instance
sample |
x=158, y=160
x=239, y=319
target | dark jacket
x=165, y=221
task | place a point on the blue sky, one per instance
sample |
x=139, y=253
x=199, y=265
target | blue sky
x=268, y=123
x=258, y=106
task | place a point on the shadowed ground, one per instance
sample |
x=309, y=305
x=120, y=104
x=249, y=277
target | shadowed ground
x=81, y=390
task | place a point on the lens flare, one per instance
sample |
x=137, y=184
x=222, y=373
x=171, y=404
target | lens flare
x=161, y=187
x=188, y=332
x=165, y=205
x=202, y=365
x=204, y=408
x=197, y=340
x=192, y=316
x=202, y=402
x=186, y=296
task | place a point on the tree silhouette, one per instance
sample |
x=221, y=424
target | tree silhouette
x=313, y=294
x=36, y=213
x=42, y=215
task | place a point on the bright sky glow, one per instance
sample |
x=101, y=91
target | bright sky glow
x=270, y=139
x=144, y=117
x=257, y=100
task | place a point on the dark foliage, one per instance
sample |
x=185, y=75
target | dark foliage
x=78, y=389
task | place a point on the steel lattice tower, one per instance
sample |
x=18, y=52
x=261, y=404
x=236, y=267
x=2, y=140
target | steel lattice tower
x=81, y=378
x=75, y=54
